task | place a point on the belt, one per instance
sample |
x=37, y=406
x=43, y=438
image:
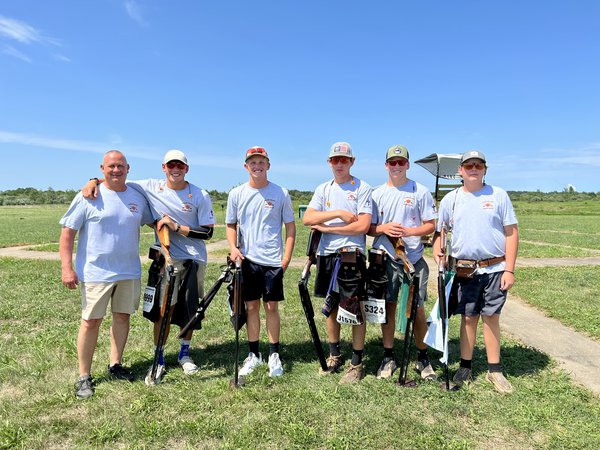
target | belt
x=483, y=262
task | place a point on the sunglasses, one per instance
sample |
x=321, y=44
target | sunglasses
x=256, y=151
x=178, y=164
x=478, y=166
x=397, y=162
x=339, y=160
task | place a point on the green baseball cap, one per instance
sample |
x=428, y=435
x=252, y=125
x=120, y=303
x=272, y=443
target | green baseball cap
x=396, y=150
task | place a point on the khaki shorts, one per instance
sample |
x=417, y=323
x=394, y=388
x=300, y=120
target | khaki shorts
x=124, y=297
x=180, y=271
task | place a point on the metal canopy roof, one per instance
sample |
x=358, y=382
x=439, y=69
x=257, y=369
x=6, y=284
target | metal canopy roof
x=442, y=165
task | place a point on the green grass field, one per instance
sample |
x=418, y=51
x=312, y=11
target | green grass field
x=559, y=230
x=23, y=225
x=39, y=321
x=38, y=325
x=567, y=294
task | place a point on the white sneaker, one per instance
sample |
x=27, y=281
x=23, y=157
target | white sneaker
x=275, y=367
x=160, y=372
x=250, y=363
x=188, y=365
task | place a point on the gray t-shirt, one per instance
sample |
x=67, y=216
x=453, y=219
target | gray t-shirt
x=109, y=234
x=477, y=221
x=409, y=205
x=260, y=214
x=353, y=196
x=191, y=207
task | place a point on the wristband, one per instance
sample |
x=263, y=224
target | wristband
x=178, y=228
x=510, y=271
x=95, y=179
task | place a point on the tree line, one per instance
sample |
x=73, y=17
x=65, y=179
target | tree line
x=32, y=196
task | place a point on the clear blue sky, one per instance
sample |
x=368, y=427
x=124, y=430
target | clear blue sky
x=518, y=80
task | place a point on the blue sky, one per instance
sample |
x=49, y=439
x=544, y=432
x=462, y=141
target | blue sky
x=518, y=80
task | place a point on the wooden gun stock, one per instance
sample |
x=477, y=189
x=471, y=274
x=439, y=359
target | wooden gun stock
x=400, y=254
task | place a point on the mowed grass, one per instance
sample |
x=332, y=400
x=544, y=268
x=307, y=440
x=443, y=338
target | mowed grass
x=38, y=326
x=22, y=225
x=559, y=230
x=39, y=226
x=569, y=294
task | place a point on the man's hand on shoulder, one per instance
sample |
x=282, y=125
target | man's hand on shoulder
x=90, y=190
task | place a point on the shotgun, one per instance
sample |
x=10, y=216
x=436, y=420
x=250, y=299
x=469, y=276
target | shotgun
x=411, y=313
x=309, y=313
x=237, y=306
x=196, y=321
x=442, y=301
x=165, y=244
x=400, y=254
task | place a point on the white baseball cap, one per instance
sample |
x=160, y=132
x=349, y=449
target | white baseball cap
x=175, y=155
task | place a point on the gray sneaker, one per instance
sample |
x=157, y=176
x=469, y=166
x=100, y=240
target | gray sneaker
x=353, y=375
x=84, y=387
x=462, y=376
x=160, y=373
x=386, y=368
x=501, y=384
x=426, y=371
x=334, y=364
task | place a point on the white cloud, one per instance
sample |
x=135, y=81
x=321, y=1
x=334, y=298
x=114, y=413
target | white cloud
x=22, y=32
x=61, y=57
x=135, y=12
x=588, y=155
x=11, y=51
x=9, y=137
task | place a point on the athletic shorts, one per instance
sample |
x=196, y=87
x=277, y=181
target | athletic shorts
x=124, y=297
x=180, y=270
x=395, y=273
x=325, y=265
x=480, y=295
x=260, y=281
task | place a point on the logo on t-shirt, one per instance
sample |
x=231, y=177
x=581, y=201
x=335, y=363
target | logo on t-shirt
x=487, y=204
x=351, y=196
x=269, y=204
x=186, y=207
x=133, y=207
x=409, y=201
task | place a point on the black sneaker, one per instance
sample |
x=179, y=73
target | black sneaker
x=118, y=372
x=84, y=387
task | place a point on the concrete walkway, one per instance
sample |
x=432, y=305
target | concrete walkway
x=577, y=354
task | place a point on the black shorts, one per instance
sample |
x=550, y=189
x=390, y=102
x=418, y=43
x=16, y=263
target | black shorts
x=480, y=295
x=261, y=282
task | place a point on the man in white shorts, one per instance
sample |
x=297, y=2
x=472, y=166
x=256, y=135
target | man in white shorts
x=187, y=211
x=107, y=264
